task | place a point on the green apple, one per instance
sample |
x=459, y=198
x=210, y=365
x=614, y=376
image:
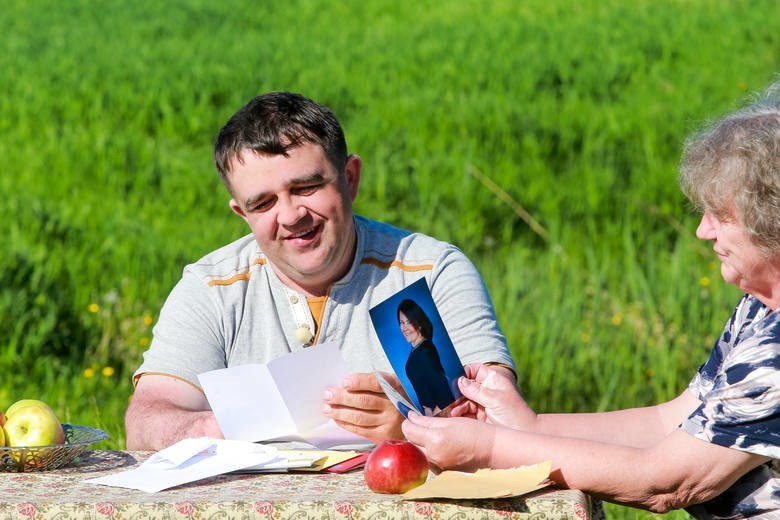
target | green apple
x=32, y=424
x=25, y=402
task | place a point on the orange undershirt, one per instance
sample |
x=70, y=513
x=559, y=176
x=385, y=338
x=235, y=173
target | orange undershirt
x=317, y=308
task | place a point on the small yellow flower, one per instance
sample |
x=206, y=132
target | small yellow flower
x=93, y=307
x=704, y=281
x=107, y=371
x=617, y=319
x=148, y=320
x=89, y=372
x=144, y=341
x=585, y=337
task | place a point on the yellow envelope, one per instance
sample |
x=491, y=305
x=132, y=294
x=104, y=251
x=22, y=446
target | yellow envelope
x=323, y=458
x=484, y=483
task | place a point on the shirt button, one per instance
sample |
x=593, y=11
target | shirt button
x=293, y=299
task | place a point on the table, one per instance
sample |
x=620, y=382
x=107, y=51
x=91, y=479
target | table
x=63, y=494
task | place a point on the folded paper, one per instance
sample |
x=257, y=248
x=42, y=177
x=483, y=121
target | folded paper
x=484, y=483
x=290, y=407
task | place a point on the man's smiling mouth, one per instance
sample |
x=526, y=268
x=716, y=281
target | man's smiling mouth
x=304, y=234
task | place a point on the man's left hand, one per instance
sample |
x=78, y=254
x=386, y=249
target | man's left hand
x=359, y=405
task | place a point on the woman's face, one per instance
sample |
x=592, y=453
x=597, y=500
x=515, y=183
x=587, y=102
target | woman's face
x=741, y=262
x=408, y=329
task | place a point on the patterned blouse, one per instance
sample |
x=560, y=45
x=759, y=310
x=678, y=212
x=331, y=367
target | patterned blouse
x=739, y=390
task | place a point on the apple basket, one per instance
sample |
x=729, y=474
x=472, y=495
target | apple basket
x=43, y=458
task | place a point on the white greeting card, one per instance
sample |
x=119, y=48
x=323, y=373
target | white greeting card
x=280, y=400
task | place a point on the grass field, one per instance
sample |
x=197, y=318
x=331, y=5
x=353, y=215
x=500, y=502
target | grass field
x=541, y=137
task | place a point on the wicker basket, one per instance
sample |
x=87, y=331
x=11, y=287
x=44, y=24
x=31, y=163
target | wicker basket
x=44, y=458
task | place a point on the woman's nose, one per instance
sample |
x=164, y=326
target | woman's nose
x=706, y=228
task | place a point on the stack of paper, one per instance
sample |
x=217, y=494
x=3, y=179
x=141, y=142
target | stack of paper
x=195, y=459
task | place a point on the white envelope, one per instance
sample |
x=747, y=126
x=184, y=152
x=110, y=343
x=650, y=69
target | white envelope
x=190, y=460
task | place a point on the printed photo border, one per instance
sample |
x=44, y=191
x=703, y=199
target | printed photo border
x=435, y=366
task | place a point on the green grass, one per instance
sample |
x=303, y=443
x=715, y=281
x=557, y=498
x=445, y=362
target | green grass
x=541, y=137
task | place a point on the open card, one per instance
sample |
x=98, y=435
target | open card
x=280, y=400
x=420, y=351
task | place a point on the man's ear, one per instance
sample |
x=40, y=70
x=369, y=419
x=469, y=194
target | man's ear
x=237, y=209
x=352, y=173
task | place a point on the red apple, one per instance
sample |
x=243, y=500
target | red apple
x=395, y=467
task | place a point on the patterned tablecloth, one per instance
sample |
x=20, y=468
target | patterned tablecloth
x=63, y=494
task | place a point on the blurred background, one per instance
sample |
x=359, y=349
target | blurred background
x=541, y=137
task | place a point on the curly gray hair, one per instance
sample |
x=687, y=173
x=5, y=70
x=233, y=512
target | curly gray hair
x=732, y=169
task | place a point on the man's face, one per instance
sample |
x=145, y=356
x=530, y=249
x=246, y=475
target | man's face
x=299, y=209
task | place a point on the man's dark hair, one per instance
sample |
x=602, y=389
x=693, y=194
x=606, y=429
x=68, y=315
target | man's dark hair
x=275, y=123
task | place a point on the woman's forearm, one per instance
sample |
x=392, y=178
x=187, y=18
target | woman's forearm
x=637, y=427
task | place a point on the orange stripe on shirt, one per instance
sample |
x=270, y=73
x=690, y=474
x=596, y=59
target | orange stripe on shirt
x=396, y=263
x=231, y=280
x=237, y=277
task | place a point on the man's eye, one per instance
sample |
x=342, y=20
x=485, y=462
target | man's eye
x=307, y=190
x=263, y=205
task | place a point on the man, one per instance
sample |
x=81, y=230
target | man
x=309, y=273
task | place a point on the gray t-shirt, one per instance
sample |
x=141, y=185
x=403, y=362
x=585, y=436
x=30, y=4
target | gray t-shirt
x=230, y=308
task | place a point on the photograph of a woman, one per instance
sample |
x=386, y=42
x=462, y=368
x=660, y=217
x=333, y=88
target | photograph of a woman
x=418, y=346
x=423, y=366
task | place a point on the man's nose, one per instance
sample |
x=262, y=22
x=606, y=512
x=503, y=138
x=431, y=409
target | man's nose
x=289, y=211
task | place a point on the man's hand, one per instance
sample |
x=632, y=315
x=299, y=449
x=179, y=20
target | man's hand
x=359, y=405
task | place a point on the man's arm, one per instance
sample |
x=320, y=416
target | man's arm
x=166, y=409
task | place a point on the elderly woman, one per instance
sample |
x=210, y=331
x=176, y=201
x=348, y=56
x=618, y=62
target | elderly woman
x=712, y=450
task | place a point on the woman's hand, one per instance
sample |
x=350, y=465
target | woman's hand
x=452, y=442
x=492, y=397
